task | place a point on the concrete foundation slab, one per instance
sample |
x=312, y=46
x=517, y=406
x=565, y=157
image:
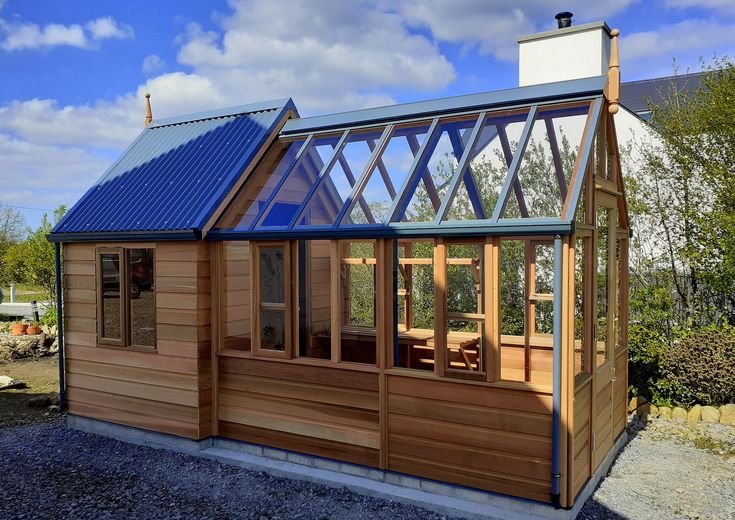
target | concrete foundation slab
x=437, y=496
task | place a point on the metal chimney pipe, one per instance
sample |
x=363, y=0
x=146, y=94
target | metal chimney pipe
x=564, y=19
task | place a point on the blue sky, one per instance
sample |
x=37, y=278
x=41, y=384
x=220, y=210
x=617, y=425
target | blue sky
x=73, y=74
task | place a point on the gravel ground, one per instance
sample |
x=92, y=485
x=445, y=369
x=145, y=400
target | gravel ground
x=667, y=471
x=670, y=471
x=50, y=472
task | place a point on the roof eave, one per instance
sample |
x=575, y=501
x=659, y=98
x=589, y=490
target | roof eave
x=126, y=236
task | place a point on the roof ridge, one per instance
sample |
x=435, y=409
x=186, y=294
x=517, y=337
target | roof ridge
x=251, y=108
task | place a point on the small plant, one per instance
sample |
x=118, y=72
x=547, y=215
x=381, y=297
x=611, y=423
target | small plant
x=49, y=317
x=701, y=367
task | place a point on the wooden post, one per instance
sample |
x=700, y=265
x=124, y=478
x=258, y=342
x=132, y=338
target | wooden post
x=336, y=300
x=492, y=307
x=440, y=307
x=148, y=112
x=613, y=74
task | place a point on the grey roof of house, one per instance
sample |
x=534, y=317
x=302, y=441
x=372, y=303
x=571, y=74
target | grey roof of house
x=636, y=95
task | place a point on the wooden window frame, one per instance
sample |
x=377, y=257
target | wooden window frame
x=288, y=299
x=125, y=340
x=101, y=340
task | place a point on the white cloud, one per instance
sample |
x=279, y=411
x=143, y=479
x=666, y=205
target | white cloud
x=153, y=63
x=106, y=27
x=25, y=35
x=31, y=36
x=708, y=4
x=45, y=176
x=492, y=25
x=686, y=41
x=357, y=53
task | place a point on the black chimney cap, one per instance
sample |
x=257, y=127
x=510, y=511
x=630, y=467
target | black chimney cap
x=564, y=19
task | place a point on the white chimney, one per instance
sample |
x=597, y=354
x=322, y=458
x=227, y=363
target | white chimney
x=570, y=52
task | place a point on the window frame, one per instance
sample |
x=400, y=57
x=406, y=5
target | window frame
x=288, y=299
x=125, y=340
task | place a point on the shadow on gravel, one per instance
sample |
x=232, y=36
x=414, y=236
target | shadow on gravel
x=14, y=409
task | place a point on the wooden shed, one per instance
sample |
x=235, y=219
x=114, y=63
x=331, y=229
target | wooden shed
x=436, y=289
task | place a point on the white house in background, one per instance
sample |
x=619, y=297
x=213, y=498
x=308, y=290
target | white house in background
x=583, y=51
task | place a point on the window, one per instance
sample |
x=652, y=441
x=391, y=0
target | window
x=526, y=310
x=465, y=310
x=272, y=293
x=314, y=288
x=414, y=294
x=581, y=299
x=126, y=290
x=356, y=294
x=603, y=284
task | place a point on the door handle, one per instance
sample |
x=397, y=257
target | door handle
x=613, y=378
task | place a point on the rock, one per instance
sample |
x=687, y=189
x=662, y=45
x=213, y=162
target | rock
x=664, y=412
x=710, y=414
x=40, y=401
x=679, y=414
x=694, y=415
x=653, y=411
x=54, y=408
x=727, y=414
x=54, y=399
x=636, y=402
x=17, y=347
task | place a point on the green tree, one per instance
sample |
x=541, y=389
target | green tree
x=686, y=190
x=32, y=261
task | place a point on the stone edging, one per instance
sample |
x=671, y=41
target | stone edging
x=725, y=414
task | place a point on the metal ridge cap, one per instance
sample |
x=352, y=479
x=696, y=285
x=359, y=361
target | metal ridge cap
x=492, y=99
x=263, y=106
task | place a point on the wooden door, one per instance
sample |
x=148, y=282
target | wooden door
x=605, y=305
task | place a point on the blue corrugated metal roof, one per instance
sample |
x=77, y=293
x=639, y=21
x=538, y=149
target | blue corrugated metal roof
x=174, y=175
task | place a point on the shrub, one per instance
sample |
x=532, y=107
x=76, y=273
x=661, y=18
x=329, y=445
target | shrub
x=49, y=317
x=700, y=368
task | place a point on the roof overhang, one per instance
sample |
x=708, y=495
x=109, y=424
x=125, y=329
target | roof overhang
x=126, y=236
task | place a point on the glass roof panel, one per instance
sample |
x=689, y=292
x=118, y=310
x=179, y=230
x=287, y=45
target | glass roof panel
x=284, y=204
x=548, y=162
x=335, y=188
x=433, y=179
x=488, y=167
x=254, y=194
x=384, y=181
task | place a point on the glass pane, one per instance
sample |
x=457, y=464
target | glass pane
x=580, y=281
x=336, y=187
x=435, y=176
x=603, y=274
x=415, y=298
x=548, y=162
x=252, y=197
x=491, y=156
x=388, y=175
x=357, y=273
x=236, y=286
x=272, y=329
x=111, y=296
x=465, y=345
x=315, y=326
x=544, y=317
x=142, y=300
x=272, y=275
x=293, y=191
x=544, y=268
x=465, y=298
x=512, y=310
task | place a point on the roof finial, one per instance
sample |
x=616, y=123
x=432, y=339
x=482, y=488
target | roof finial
x=148, y=113
x=613, y=74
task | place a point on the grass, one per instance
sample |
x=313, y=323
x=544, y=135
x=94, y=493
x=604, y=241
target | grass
x=25, y=293
x=714, y=446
